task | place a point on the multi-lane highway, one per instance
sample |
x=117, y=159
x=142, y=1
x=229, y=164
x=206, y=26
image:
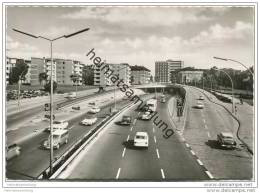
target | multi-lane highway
x=113, y=156
x=192, y=155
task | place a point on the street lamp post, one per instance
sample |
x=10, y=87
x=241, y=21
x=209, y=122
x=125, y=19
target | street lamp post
x=51, y=79
x=19, y=88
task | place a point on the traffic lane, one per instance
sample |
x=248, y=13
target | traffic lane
x=234, y=164
x=176, y=160
x=102, y=159
x=33, y=159
x=140, y=163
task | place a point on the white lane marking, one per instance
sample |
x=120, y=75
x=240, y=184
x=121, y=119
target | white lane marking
x=134, y=121
x=206, y=127
x=123, y=154
x=154, y=139
x=127, y=138
x=163, y=176
x=204, y=120
x=153, y=129
x=208, y=134
x=199, y=162
x=209, y=174
x=158, y=155
x=192, y=152
x=187, y=145
x=118, y=173
x=131, y=129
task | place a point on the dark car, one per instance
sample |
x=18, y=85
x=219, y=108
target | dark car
x=226, y=140
x=126, y=120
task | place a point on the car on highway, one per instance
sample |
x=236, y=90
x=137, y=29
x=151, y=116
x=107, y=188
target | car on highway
x=163, y=100
x=71, y=95
x=12, y=151
x=61, y=124
x=125, y=98
x=126, y=120
x=199, y=105
x=94, y=110
x=89, y=120
x=226, y=139
x=141, y=139
x=201, y=97
x=60, y=137
x=146, y=115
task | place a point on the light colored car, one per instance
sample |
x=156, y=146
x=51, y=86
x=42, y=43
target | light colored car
x=146, y=116
x=60, y=124
x=59, y=137
x=201, y=97
x=125, y=98
x=141, y=139
x=72, y=95
x=199, y=105
x=94, y=110
x=226, y=140
x=89, y=120
x=163, y=100
x=12, y=151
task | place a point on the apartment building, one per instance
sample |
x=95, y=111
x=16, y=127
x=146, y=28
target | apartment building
x=140, y=75
x=62, y=70
x=102, y=79
x=163, y=69
x=10, y=63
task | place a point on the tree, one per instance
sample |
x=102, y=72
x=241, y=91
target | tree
x=20, y=69
x=131, y=79
x=75, y=79
x=88, y=75
x=47, y=86
x=43, y=78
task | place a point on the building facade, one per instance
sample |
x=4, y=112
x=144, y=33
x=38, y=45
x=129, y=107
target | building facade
x=190, y=76
x=140, y=75
x=102, y=78
x=61, y=73
x=163, y=69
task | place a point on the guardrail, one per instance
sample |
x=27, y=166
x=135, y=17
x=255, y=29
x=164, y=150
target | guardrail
x=75, y=149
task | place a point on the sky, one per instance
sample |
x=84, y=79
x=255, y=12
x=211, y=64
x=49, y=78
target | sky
x=136, y=35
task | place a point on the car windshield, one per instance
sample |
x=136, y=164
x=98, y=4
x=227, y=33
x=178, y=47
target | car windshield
x=140, y=137
x=57, y=122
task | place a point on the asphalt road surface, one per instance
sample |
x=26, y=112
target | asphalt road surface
x=201, y=130
x=113, y=156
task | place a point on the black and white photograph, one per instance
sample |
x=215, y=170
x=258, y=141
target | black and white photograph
x=141, y=94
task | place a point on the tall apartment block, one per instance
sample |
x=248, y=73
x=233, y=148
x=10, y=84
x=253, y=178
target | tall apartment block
x=101, y=75
x=163, y=69
x=140, y=75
